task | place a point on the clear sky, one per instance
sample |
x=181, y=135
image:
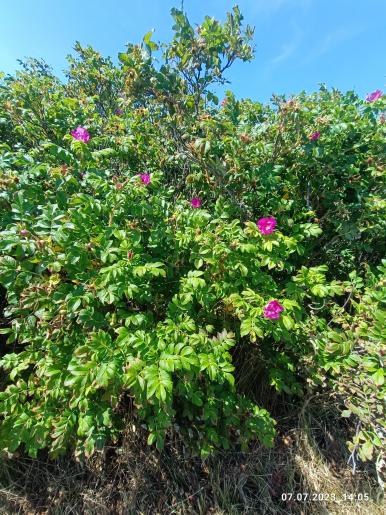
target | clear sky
x=299, y=43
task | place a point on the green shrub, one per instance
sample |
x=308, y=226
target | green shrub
x=134, y=266
x=351, y=358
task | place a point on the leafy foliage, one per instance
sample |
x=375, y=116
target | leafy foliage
x=351, y=356
x=123, y=292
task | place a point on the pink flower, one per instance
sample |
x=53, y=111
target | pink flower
x=145, y=178
x=266, y=225
x=314, y=136
x=224, y=102
x=81, y=134
x=273, y=309
x=375, y=95
x=195, y=202
x=24, y=232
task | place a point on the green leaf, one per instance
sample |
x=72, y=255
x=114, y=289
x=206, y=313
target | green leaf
x=245, y=327
x=106, y=371
x=379, y=377
x=288, y=322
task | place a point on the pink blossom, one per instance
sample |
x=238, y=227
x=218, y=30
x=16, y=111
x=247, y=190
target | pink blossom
x=314, y=136
x=375, y=95
x=266, y=225
x=81, y=134
x=145, y=178
x=224, y=102
x=273, y=309
x=24, y=232
x=195, y=202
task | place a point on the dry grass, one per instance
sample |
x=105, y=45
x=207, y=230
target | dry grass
x=309, y=456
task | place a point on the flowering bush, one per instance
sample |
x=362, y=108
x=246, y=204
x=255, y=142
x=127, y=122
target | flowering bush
x=81, y=134
x=266, y=225
x=315, y=136
x=374, y=96
x=196, y=202
x=145, y=178
x=273, y=310
x=139, y=262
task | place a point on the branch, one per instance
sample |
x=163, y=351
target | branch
x=352, y=455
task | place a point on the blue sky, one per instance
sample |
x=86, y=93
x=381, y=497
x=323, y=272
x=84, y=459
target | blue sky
x=299, y=43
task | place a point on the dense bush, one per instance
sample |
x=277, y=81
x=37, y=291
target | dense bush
x=350, y=352
x=149, y=233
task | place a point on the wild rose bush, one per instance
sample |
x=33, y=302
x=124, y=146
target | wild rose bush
x=150, y=234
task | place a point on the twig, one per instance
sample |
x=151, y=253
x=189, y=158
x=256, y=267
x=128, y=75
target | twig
x=348, y=299
x=352, y=455
x=308, y=196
